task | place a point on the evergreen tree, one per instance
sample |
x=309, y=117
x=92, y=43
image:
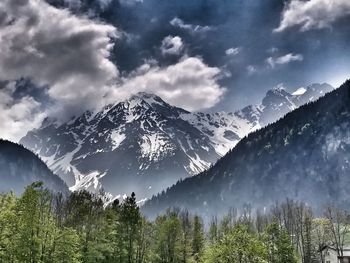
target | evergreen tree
x=198, y=239
x=168, y=239
x=213, y=231
x=130, y=223
x=279, y=245
x=85, y=214
x=79, y=229
x=144, y=241
x=186, y=225
x=35, y=224
x=8, y=227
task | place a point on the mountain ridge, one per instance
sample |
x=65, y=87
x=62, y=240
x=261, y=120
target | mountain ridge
x=303, y=156
x=154, y=143
x=19, y=167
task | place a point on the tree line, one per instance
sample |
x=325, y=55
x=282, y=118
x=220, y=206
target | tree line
x=41, y=227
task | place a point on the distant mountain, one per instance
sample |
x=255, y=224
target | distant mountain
x=278, y=102
x=304, y=156
x=144, y=144
x=19, y=168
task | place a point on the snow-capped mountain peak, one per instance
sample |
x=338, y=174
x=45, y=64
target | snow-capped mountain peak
x=144, y=144
x=149, y=98
x=142, y=137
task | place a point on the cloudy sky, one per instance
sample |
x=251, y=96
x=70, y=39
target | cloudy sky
x=61, y=57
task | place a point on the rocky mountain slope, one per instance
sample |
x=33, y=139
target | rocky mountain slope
x=142, y=145
x=145, y=145
x=304, y=156
x=19, y=168
x=278, y=102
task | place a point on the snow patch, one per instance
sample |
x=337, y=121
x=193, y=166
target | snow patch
x=88, y=181
x=117, y=139
x=155, y=146
x=299, y=92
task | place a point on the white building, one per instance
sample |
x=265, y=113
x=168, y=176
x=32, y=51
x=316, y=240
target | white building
x=331, y=256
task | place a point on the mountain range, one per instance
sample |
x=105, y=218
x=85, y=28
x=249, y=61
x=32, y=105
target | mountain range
x=304, y=156
x=19, y=168
x=145, y=145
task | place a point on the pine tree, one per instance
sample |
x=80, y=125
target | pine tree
x=8, y=227
x=198, y=239
x=186, y=225
x=213, y=231
x=35, y=224
x=279, y=245
x=85, y=214
x=144, y=241
x=168, y=248
x=130, y=222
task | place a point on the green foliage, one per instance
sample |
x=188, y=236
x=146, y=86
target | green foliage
x=279, y=245
x=36, y=225
x=198, y=239
x=41, y=228
x=237, y=245
x=213, y=231
x=129, y=231
x=67, y=247
x=8, y=227
x=167, y=248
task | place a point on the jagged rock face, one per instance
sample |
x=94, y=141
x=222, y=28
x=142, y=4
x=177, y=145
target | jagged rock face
x=20, y=167
x=278, y=102
x=143, y=144
x=304, y=156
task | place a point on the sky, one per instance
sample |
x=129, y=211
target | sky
x=59, y=58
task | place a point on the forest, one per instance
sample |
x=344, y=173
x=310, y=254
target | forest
x=41, y=227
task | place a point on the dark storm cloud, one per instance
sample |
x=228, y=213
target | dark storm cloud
x=208, y=29
x=69, y=55
x=265, y=58
x=256, y=45
x=55, y=48
x=66, y=56
x=247, y=24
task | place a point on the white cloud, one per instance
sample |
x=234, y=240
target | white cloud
x=313, y=14
x=17, y=116
x=251, y=69
x=286, y=59
x=70, y=56
x=56, y=48
x=177, y=22
x=233, y=51
x=190, y=84
x=172, y=45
